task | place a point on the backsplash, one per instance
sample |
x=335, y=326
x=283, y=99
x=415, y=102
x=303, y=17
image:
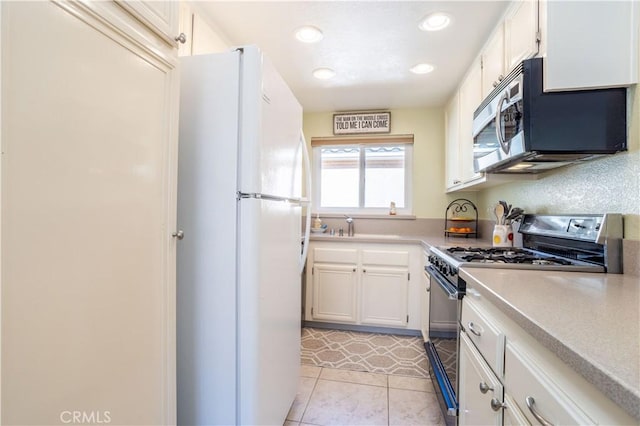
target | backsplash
x=607, y=185
x=393, y=226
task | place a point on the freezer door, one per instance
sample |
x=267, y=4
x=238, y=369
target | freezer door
x=270, y=121
x=269, y=305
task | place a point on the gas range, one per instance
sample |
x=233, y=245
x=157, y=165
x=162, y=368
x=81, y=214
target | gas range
x=579, y=243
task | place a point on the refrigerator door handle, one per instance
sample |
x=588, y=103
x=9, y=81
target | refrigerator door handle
x=307, y=228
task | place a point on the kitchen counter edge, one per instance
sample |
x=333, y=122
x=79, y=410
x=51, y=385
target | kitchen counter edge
x=577, y=356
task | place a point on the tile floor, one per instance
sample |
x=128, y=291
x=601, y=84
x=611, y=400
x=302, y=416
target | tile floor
x=329, y=396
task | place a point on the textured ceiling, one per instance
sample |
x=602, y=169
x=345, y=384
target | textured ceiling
x=370, y=44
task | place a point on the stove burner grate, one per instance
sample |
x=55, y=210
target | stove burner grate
x=505, y=255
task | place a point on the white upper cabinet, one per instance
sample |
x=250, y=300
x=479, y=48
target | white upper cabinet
x=493, y=70
x=186, y=28
x=452, y=124
x=459, y=134
x=590, y=44
x=521, y=33
x=160, y=16
x=470, y=98
x=200, y=37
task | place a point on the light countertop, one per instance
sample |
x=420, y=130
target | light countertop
x=591, y=321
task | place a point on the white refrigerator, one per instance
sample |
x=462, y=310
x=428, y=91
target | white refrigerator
x=239, y=264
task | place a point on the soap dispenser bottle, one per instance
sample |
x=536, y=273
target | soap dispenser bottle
x=317, y=222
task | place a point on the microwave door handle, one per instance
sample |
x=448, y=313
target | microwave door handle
x=503, y=144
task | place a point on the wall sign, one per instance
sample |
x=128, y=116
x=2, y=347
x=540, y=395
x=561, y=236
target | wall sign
x=364, y=122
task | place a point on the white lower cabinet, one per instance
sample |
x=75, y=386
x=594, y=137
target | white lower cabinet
x=384, y=296
x=480, y=391
x=538, y=387
x=334, y=292
x=364, y=284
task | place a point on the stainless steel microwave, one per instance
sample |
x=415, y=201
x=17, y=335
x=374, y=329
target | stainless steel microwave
x=519, y=128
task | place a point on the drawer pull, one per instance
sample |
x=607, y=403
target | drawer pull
x=484, y=388
x=530, y=402
x=473, y=330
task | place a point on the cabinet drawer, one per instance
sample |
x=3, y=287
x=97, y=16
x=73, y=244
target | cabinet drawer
x=536, y=394
x=485, y=334
x=385, y=257
x=512, y=415
x=330, y=255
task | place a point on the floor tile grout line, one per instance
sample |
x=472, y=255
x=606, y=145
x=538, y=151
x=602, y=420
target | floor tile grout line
x=388, y=403
x=310, y=396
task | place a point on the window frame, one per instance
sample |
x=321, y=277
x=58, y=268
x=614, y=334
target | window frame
x=362, y=143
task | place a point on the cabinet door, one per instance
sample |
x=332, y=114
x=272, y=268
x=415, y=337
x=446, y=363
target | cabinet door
x=161, y=16
x=384, y=296
x=205, y=39
x=493, y=62
x=425, y=292
x=521, y=32
x=89, y=142
x=334, y=292
x=452, y=122
x=470, y=98
x=589, y=44
x=477, y=387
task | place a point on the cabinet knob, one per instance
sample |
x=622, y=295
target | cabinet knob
x=179, y=234
x=484, y=388
x=181, y=38
x=496, y=405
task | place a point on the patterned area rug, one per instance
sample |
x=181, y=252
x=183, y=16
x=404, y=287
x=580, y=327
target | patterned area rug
x=375, y=353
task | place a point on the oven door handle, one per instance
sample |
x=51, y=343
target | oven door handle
x=451, y=291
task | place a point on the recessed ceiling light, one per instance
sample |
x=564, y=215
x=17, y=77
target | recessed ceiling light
x=324, y=73
x=435, y=22
x=422, y=68
x=308, y=34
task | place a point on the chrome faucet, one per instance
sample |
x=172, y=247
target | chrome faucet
x=350, y=230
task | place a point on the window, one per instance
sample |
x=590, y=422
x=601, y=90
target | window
x=363, y=176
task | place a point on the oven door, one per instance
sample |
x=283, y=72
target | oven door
x=442, y=346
